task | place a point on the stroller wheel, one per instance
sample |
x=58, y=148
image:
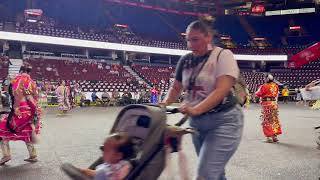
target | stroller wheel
x=73, y=172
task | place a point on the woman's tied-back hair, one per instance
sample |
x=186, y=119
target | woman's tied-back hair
x=25, y=68
x=204, y=25
x=125, y=144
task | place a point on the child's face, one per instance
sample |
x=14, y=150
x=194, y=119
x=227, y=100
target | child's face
x=110, y=153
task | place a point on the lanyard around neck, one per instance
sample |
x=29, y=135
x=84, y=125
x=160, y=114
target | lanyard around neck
x=194, y=74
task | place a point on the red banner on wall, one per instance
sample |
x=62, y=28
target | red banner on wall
x=306, y=56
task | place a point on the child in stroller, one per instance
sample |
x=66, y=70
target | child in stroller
x=116, y=149
x=146, y=126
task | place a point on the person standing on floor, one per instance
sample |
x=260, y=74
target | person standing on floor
x=63, y=94
x=268, y=93
x=314, y=89
x=285, y=94
x=207, y=75
x=154, y=95
x=23, y=121
x=299, y=99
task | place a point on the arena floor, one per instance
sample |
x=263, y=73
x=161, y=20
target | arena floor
x=76, y=137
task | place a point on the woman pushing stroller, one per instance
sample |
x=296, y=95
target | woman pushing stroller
x=208, y=75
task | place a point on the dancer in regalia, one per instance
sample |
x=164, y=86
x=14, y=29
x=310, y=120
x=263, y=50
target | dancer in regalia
x=63, y=94
x=23, y=121
x=268, y=93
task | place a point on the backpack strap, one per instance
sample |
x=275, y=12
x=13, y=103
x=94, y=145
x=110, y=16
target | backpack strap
x=240, y=79
x=218, y=57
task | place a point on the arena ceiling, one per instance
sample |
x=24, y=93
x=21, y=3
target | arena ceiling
x=236, y=3
x=218, y=7
x=80, y=11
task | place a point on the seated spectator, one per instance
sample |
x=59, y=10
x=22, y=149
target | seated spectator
x=94, y=97
x=5, y=96
x=144, y=97
x=135, y=97
x=105, y=98
x=115, y=97
x=126, y=98
x=105, y=95
x=83, y=101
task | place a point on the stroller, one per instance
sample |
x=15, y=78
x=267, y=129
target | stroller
x=146, y=124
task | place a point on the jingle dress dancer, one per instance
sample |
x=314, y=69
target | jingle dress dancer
x=268, y=93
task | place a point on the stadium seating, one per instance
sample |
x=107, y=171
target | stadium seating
x=96, y=76
x=157, y=75
x=100, y=76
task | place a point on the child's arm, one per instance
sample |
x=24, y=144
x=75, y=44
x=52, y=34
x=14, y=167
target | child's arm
x=88, y=172
x=123, y=172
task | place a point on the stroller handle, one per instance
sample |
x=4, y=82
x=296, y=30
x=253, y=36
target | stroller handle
x=172, y=110
x=168, y=109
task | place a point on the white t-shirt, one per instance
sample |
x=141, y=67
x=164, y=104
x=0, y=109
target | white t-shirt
x=205, y=81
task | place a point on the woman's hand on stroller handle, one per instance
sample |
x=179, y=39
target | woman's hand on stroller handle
x=189, y=110
x=163, y=104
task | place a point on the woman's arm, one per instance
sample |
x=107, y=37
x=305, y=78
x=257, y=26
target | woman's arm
x=175, y=90
x=173, y=93
x=88, y=172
